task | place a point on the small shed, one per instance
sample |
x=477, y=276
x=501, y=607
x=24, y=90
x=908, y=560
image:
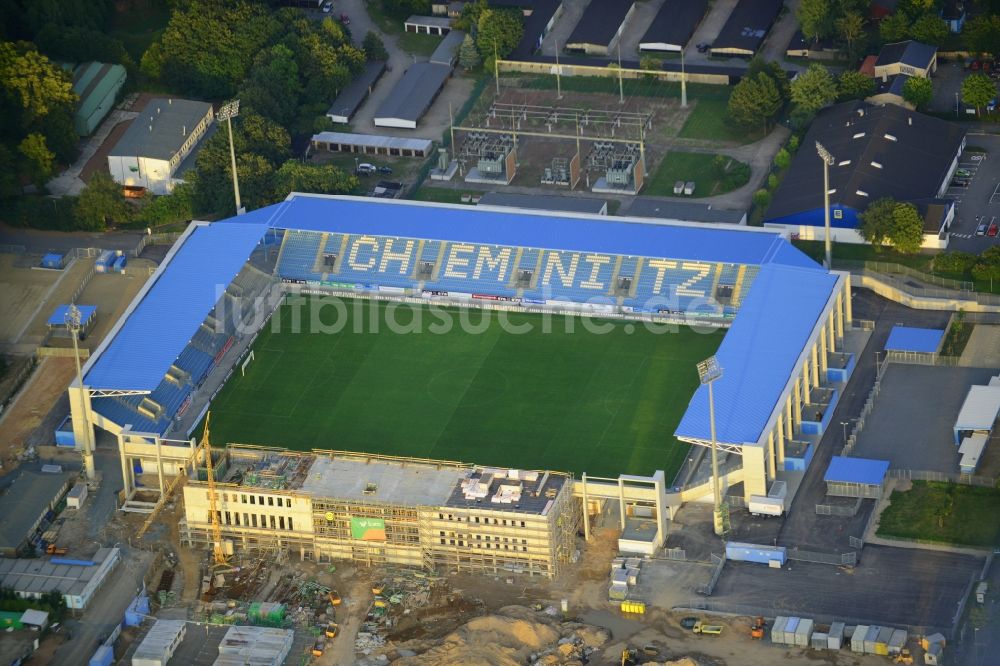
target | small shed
x=57, y=321
x=914, y=340
x=971, y=451
x=428, y=25
x=76, y=496
x=35, y=619
x=53, y=260
x=855, y=477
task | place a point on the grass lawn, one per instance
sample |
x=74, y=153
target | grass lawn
x=945, y=512
x=697, y=167
x=710, y=120
x=421, y=45
x=546, y=399
x=140, y=26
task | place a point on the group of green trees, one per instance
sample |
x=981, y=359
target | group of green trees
x=493, y=31
x=759, y=97
x=985, y=266
x=890, y=223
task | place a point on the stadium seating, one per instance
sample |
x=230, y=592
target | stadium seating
x=298, y=255
x=366, y=255
x=195, y=362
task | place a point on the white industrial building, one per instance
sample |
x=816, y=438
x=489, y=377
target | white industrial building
x=78, y=580
x=151, y=151
x=160, y=643
x=260, y=646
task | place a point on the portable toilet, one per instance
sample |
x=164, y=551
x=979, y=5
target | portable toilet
x=835, y=637
x=858, y=638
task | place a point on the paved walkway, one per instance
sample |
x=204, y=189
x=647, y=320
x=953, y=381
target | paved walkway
x=983, y=348
x=69, y=181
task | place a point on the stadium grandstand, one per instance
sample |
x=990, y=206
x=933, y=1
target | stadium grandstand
x=787, y=316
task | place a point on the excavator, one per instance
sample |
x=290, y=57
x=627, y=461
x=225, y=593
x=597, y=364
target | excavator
x=904, y=657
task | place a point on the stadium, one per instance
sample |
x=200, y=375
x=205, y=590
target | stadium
x=781, y=317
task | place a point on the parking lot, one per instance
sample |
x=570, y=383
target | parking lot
x=976, y=226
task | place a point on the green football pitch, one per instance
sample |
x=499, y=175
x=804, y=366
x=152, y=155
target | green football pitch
x=557, y=397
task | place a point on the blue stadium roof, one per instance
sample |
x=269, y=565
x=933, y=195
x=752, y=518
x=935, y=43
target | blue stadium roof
x=856, y=470
x=911, y=339
x=169, y=314
x=759, y=353
x=475, y=224
x=58, y=317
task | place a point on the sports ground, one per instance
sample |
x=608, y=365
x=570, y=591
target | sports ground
x=557, y=397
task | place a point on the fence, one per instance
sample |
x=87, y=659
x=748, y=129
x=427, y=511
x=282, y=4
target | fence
x=18, y=383
x=678, y=554
x=83, y=285
x=943, y=477
x=833, y=510
x=837, y=559
x=910, y=287
x=718, y=562
x=888, y=268
x=13, y=249
x=62, y=352
x=859, y=424
x=921, y=358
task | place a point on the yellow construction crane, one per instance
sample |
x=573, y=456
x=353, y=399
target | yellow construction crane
x=218, y=551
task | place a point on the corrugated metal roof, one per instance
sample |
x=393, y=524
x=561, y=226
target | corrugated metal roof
x=980, y=409
x=599, y=23
x=350, y=98
x=856, y=470
x=537, y=229
x=29, y=497
x=168, y=315
x=414, y=92
x=759, y=353
x=172, y=121
x=912, y=339
x=58, y=317
x=447, y=50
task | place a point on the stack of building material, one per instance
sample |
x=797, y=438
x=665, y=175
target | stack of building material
x=257, y=646
x=507, y=494
x=835, y=637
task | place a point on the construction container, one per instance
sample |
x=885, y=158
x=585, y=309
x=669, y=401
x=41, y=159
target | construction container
x=934, y=654
x=804, y=632
x=617, y=592
x=749, y=552
x=882, y=641
x=790, y=627
x=818, y=641
x=617, y=563
x=637, y=607
x=620, y=576
x=633, y=576
x=897, y=641
x=778, y=630
x=104, y=656
x=835, y=637
x=858, y=638
x=927, y=641
x=871, y=638
x=779, y=490
x=119, y=265
x=633, y=562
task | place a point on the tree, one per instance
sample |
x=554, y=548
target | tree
x=772, y=70
x=469, y=17
x=978, y=90
x=761, y=198
x=754, y=101
x=650, y=63
x=782, y=159
x=813, y=89
x=498, y=31
x=982, y=34
x=889, y=222
x=156, y=211
x=987, y=272
x=296, y=176
x=272, y=89
x=918, y=91
x=38, y=159
x=851, y=27
x=929, y=29
x=32, y=83
x=101, y=203
x=468, y=56
x=374, y=48
x=895, y=27
x=852, y=84
x=815, y=19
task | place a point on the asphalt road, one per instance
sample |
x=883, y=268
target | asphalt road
x=803, y=528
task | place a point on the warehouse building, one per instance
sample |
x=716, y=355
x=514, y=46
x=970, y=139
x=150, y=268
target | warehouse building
x=673, y=25
x=446, y=52
x=545, y=202
x=97, y=84
x=355, y=93
x=371, y=144
x=747, y=27
x=31, y=496
x=879, y=151
x=910, y=58
x=855, y=477
x=600, y=27
x=150, y=152
x=539, y=17
x=77, y=580
x=413, y=95
x=428, y=25
x=381, y=510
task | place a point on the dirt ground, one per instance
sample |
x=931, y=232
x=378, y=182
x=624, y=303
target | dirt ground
x=21, y=290
x=48, y=381
x=983, y=348
x=67, y=282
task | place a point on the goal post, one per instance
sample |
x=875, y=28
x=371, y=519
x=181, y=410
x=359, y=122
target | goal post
x=246, y=362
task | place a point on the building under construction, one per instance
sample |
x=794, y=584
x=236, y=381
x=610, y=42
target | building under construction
x=378, y=510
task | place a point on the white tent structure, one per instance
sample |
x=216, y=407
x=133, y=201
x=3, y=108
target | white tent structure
x=979, y=411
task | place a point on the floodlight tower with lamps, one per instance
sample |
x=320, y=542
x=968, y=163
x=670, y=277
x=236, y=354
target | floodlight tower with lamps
x=709, y=370
x=828, y=161
x=74, y=324
x=227, y=112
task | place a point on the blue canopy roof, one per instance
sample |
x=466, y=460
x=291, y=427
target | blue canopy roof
x=759, y=353
x=162, y=324
x=856, y=470
x=911, y=339
x=58, y=317
x=472, y=224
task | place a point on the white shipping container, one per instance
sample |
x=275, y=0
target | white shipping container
x=804, y=632
x=818, y=641
x=858, y=639
x=766, y=506
x=835, y=637
x=871, y=638
x=778, y=630
x=897, y=641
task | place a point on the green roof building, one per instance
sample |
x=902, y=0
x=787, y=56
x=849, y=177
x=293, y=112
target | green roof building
x=97, y=84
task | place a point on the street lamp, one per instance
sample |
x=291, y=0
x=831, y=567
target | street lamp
x=684, y=90
x=227, y=112
x=827, y=158
x=74, y=323
x=709, y=370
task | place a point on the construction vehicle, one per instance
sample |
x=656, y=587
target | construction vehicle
x=53, y=549
x=757, y=628
x=318, y=648
x=377, y=588
x=335, y=599
x=332, y=628
x=630, y=657
x=711, y=629
x=904, y=657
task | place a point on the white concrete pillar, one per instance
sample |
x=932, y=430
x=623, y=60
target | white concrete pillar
x=586, y=509
x=839, y=315
x=815, y=363
x=771, y=467
x=754, y=474
x=126, y=483
x=822, y=353
x=788, y=418
x=831, y=332
x=781, y=443
x=847, y=305
x=621, y=501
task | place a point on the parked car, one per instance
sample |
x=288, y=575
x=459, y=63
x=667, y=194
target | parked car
x=366, y=169
x=960, y=182
x=993, y=230
x=385, y=170
x=963, y=173
x=981, y=229
x=327, y=7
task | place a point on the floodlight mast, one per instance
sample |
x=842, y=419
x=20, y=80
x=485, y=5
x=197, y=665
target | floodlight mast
x=74, y=323
x=227, y=112
x=828, y=161
x=709, y=370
